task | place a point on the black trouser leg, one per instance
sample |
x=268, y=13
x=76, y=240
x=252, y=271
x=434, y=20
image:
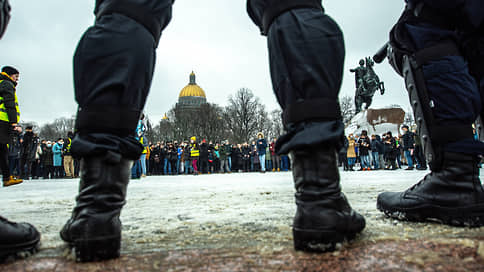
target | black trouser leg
x=113, y=69
x=4, y=161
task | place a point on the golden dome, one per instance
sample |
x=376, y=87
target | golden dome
x=192, y=89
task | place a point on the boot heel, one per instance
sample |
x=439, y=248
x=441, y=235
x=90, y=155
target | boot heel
x=316, y=240
x=97, y=249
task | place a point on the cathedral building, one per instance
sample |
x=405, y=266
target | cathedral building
x=191, y=96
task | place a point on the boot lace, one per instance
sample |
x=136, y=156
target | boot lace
x=416, y=185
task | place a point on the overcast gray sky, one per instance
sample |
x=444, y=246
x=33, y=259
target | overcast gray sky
x=215, y=38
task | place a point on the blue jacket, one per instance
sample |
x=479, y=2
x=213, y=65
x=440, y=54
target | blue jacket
x=261, y=146
x=57, y=151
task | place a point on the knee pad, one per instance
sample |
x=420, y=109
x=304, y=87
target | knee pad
x=433, y=135
x=275, y=8
x=136, y=11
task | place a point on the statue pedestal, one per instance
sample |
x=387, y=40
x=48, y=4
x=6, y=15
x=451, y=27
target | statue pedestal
x=377, y=121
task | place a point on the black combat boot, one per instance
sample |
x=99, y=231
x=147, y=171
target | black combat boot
x=94, y=230
x=324, y=216
x=17, y=240
x=452, y=196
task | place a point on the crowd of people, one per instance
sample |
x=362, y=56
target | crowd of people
x=30, y=157
x=205, y=157
x=375, y=152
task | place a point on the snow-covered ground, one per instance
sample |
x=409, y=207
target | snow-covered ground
x=215, y=211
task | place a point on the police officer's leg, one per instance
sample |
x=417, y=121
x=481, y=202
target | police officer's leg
x=113, y=68
x=306, y=52
x=446, y=101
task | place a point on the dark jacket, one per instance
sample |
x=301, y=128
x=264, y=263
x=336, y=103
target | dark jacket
x=380, y=147
x=261, y=146
x=47, y=156
x=7, y=92
x=186, y=153
x=204, y=151
x=14, y=146
x=363, y=146
x=376, y=145
x=245, y=152
x=29, y=146
x=408, y=140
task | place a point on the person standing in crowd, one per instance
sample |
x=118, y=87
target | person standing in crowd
x=179, y=152
x=251, y=161
x=68, y=160
x=27, y=153
x=268, y=159
x=246, y=157
x=210, y=158
x=390, y=151
x=237, y=161
x=194, y=154
x=157, y=160
x=399, y=151
x=186, y=159
x=14, y=149
x=343, y=155
x=9, y=116
x=408, y=146
x=261, y=151
x=36, y=166
x=172, y=158
x=255, y=162
x=363, y=148
x=375, y=146
x=227, y=159
x=351, y=154
x=223, y=158
x=203, y=159
x=15, y=237
x=140, y=132
x=57, y=158
x=381, y=151
x=48, y=161
x=276, y=160
x=216, y=152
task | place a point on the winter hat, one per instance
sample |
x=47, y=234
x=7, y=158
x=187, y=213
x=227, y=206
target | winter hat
x=9, y=70
x=193, y=138
x=404, y=126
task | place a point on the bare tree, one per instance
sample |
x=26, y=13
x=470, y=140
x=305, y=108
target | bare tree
x=241, y=115
x=347, y=108
x=57, y=129
x=276, y=127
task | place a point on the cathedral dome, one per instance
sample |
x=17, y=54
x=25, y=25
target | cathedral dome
x=192, y=89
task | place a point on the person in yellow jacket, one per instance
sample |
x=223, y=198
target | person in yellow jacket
x=351, y=153
x=9, y=116
x=194, y=154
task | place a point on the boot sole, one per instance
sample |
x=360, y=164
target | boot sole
x=469, y=216
x=99, y=249
x=319, y=241
x=19, y=251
